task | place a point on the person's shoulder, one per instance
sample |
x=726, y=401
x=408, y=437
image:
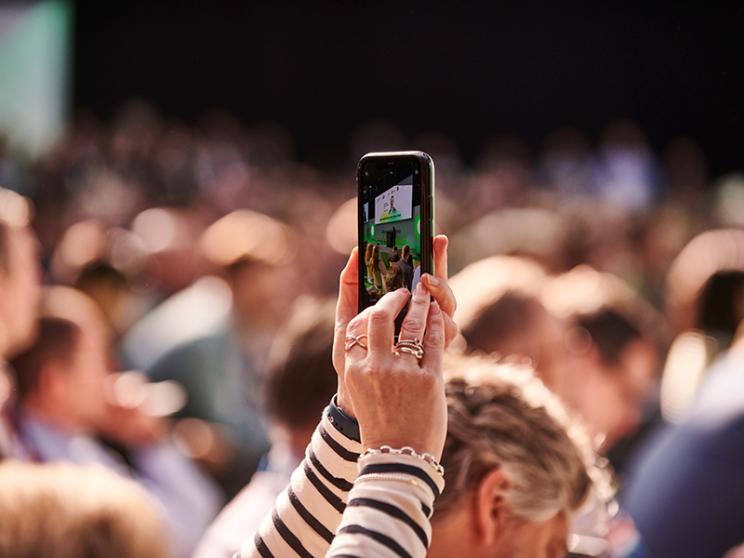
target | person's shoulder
x=191, y=355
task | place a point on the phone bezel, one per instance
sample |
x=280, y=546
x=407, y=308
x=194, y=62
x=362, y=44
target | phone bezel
x=426, y=166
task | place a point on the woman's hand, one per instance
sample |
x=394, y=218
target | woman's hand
x=348, y=303
x=398, y=398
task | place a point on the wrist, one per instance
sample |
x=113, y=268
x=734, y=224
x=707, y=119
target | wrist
x=427, y=458
x=345, y=424
x=418, y=446
x=343, y=402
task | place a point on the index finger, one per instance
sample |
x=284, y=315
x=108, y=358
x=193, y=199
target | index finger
x=381, y=324
x=440, y=256
x=348, y=289
x=346, y=306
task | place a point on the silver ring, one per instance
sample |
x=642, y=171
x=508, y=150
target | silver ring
x=355, y=340
x=410, y=346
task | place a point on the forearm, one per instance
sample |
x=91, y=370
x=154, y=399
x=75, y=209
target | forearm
x=389, y=508
x=308, y=512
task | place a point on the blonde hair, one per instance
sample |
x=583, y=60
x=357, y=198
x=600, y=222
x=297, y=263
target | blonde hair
x=501, y=416
x=61, y=510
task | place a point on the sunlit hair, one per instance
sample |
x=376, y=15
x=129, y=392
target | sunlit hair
x=502, y=417
x=482, y=283
x=603, y=306
x=705, y=256
x=496, y=300
x=369, y=253
x=248, y=236
x=15, y=213
x=70, y=511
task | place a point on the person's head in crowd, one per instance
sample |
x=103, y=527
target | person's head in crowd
x=720, y=307
x=395, y=256
x=517, y=468
x=20, y=273
x=705, y=285
x=60, y=378
x=613, y=340
x=529, y=232
x=499, y=311
x=394, y=277
x=67, y=511
x=372, y=254
x=110, y=289
x=368, y=252
x=255, y=252
x=79, y=245
x=300, y=376
x=168, y=236
x=704, y=305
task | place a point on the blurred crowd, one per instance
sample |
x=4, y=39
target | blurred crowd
x=169, y=286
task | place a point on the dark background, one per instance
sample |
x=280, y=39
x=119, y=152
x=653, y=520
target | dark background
x=471, y=71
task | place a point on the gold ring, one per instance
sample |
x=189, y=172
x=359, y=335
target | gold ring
x=410, y=346
x=352, y=341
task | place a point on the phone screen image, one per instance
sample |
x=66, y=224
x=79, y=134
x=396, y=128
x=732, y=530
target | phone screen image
x=391, y=227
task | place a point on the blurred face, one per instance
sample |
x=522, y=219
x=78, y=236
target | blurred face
x=262, y=294
x=543, y=343
x=610, y=398
x=84, y=379
x=21, y=287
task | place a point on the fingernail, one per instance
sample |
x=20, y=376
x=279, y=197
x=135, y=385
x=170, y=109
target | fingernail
x=433, y=281
x=420, y=288
x=402, y=290
x=435, y=306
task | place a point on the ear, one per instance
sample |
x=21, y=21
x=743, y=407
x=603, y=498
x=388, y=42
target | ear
x=490, y=506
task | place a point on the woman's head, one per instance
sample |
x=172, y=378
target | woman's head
x=69, y=511
x=394, y=279
x=613, y=337
x=369, y=251
x=516, y=467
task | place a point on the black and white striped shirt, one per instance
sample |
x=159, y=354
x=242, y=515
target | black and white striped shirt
x=340, y=505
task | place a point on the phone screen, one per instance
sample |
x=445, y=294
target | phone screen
x=392, y=225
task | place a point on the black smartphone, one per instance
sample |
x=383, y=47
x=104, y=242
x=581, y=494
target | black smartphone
x=395, y=222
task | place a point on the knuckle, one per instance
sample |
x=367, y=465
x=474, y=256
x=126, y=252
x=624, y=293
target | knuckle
x=452, y=329
x=435, y=336
x=356, y=324
x=379, y=316
x=370, y=367
x=420, y=298
x=413, y=324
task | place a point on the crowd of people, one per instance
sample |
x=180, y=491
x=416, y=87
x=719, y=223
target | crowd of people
x=185, y=375
x=390, y=272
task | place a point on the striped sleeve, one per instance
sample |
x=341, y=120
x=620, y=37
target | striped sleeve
x=388, y=511
x=307, y=513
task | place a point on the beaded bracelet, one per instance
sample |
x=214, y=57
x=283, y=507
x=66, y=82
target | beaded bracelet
x=426, y=457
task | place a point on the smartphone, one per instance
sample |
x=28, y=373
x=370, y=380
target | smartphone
x=395, y=222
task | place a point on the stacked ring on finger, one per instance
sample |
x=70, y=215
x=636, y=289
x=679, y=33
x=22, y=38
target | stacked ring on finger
x=410, y=346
